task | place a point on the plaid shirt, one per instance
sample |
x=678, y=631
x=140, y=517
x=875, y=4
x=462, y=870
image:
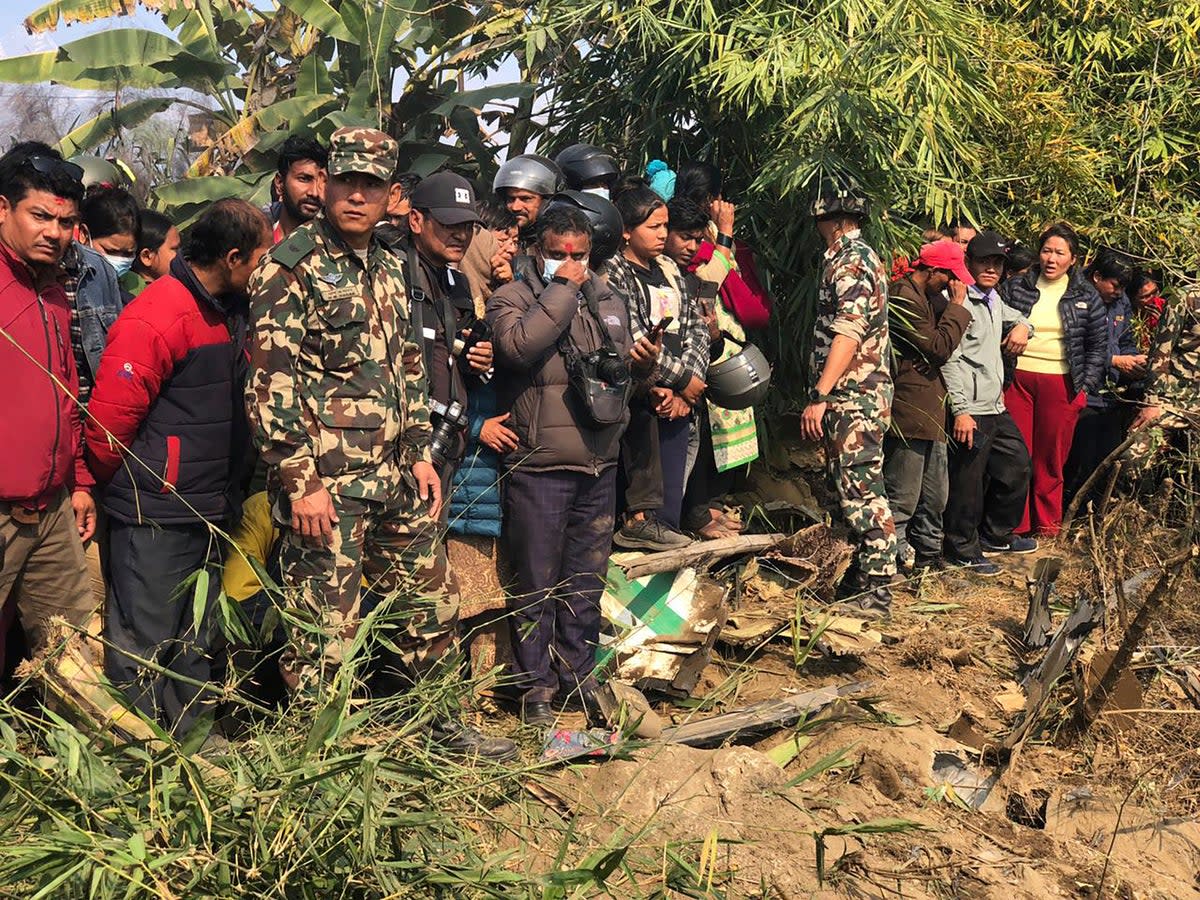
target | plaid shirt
x=71, y=269
x=674, y=371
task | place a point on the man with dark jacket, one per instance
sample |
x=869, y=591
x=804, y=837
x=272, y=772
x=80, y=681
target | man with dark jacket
x=46, y=505
x=561, y=486
x=1101, y=426
x=167, y=432
x=926, y=329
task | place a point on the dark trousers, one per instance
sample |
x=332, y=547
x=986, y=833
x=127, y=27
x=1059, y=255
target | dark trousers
x=149, y=616
x=988, y=485
x=641, y=459
x=914, y=472
x=1098, y=432
x=673, y=451
x=559, y=527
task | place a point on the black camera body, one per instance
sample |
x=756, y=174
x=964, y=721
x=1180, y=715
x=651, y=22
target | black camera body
x=452, y=420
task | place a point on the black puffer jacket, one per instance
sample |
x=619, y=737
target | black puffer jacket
x=1085, y=326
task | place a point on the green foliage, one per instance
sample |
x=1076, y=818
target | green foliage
x=941, y=109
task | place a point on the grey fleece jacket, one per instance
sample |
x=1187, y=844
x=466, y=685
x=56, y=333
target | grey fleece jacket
x=974, y=374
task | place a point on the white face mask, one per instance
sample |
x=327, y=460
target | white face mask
x=121, y=264
x=549, y=267
x=599, y=192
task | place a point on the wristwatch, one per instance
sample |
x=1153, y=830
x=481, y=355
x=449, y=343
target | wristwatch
x=725, y=240
x=815, y=396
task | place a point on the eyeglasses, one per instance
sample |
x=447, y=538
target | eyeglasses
x=49, y=165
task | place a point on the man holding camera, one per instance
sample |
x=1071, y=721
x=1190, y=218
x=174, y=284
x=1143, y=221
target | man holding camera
x=561, y=486
x=456, y=345
x=337, y=398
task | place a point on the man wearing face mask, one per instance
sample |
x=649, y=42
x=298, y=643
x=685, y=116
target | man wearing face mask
x=561, y=487
x=457, y=351
x=589, y=169
x=109, y=229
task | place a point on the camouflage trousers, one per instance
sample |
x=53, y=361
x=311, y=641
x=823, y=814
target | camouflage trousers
x=854, y=461
x=387, y=556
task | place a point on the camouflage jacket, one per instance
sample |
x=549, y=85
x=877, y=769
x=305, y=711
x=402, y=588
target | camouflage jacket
x=1174, y=359
x=852, y=301
x=337, y=391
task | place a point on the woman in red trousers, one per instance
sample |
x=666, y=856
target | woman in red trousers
x=1049, y=378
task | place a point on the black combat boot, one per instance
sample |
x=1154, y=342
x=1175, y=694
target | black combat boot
x=464, y=741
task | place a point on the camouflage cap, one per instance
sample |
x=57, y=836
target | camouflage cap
x=839, y=195
x=355, y=148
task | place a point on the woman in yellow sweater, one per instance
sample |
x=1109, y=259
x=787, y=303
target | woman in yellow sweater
x=1050, y=377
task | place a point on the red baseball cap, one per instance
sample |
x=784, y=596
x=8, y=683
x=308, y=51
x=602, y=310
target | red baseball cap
x=946, y=255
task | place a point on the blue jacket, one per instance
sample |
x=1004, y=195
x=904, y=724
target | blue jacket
x=1121, y=342
x=1084, y=327
x=99, y=299
x=475, y=506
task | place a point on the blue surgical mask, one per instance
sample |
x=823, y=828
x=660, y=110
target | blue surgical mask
x=549, y=267
x=599, y=192
x=121, y=264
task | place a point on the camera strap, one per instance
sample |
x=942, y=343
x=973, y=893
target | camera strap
x=419, y=299
x=566, y=346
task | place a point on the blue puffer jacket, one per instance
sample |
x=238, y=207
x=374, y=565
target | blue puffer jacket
x=1084, y=321
x=475, y=494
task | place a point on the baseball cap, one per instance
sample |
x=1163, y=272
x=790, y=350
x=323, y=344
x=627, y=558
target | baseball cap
x=946, y=255
x=367, y=151
x=449, y=198
x=988, y=243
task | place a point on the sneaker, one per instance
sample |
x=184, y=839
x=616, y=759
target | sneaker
x=464, y=741
x=924, y=564
x=979, y=565
x=649, y=534
x=1015, y=544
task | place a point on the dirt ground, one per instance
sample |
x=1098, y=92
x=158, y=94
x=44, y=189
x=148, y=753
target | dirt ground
x=1106, y=813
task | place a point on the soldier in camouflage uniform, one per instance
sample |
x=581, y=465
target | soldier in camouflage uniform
x=1172, y=401
x=338, y=399
x=850, y=406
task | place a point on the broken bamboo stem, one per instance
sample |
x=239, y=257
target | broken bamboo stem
x=698, y=555
x=1082, y=494
x=1163, y=589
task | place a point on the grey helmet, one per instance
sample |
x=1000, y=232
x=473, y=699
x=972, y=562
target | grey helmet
x=529, y=172
x=839, y=194
x=741, y=381
x=607, y=228
x=98, y=171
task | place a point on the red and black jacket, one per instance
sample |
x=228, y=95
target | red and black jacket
x=169, y=390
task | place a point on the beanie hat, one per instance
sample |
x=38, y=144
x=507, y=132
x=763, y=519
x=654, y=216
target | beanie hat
x=661, y=178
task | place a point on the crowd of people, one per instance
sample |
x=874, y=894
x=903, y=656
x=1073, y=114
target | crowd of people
x=393, y=395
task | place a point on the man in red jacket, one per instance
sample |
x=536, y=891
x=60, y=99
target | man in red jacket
x=46, y=508
x=167, y=433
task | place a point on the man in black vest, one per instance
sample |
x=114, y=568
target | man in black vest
x=456, y=345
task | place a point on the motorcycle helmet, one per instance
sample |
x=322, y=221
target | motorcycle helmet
x=606, y=222
x=742, y=380
x=584, y=164
x=529, y=172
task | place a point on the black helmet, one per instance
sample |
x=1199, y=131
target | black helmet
x=740, y=381
x=606, y=222
x=839, y=194
x=582, y=163
x=529, y=172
